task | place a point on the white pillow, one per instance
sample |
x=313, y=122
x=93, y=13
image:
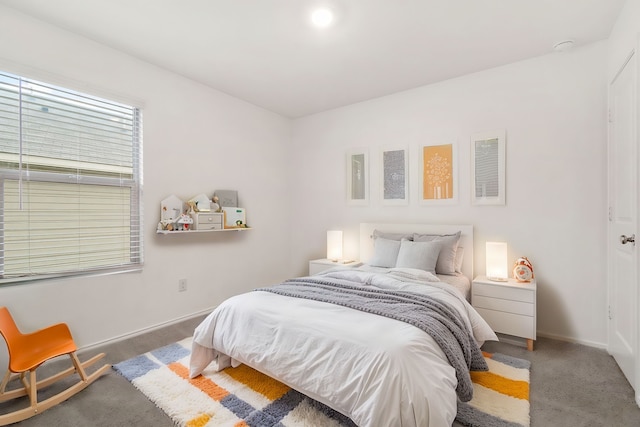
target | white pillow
x=449, y=244
x=385, y=253
x=459, y=258
x=377, y=234
x=420, y=255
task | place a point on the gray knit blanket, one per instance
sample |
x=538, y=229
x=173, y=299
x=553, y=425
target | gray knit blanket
x=438, y=319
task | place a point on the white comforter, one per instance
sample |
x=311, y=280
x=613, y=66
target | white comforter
x=375, y=370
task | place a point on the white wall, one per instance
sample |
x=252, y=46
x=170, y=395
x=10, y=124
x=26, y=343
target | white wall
x=196, y=140
x=553, y=109
x=624, y=37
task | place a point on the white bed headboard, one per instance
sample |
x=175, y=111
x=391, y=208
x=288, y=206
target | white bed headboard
x=466, y=238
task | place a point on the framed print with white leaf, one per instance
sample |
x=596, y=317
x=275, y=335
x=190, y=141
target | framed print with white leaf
x=358, y=177
x=394, y=175
x=488, y=168
x=439, y=175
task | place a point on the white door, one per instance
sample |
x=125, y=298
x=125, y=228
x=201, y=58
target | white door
x=623, y=210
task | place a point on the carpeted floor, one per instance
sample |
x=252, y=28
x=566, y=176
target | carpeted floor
x=572, y=385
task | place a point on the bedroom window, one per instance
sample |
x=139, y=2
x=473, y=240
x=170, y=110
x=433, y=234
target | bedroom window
x=70, y=182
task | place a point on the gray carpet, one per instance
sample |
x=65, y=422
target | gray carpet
x=571, y=385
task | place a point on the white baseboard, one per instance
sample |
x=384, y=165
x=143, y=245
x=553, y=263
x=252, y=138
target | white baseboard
x=521, y=342
x=588, y=343
x=144, y=330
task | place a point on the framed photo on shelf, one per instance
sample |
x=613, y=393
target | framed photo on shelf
x=358, y=177
x=394, y=176
x=439, y=174
x=488, y=168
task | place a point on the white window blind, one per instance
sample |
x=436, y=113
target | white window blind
x=70, y=182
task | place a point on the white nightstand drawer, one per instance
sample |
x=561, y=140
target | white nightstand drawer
x=207, y=221
x=503, y=292
x=508, y=323
x=508, y=306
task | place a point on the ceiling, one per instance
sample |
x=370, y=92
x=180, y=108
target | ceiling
x=267, y=53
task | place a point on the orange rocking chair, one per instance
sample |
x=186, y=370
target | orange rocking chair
x=27, y=352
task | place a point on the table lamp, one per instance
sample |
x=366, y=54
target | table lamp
x=496, y=257
x=334, y=245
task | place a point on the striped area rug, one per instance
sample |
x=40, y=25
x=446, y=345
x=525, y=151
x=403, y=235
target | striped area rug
x=243, y=397
x=500, y=395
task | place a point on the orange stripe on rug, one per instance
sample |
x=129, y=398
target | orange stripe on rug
x=259, y=382
x=517, y=389
x=212, y=389
x=200, y=421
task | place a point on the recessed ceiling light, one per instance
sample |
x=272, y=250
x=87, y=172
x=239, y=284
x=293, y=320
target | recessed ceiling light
x=563, y=45
x=322, y=17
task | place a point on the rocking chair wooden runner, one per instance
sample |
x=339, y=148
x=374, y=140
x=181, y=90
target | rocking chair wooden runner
x=27, y=352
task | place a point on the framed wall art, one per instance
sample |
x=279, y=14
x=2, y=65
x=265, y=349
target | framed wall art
x=439, y=182
x=394, y=167
x=488, y=168
x=358, y=177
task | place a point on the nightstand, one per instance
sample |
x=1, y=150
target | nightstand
x=508, y=307
x=319, y=265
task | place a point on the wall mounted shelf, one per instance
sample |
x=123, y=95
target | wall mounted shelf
x=201, y=231
x=174, y=218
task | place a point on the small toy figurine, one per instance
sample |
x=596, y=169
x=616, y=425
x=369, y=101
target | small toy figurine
x=215, y=206
x=193, y=207
x=523, y=270
x=184, y=222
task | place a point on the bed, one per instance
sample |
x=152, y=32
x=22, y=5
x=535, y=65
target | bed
x=357, y=339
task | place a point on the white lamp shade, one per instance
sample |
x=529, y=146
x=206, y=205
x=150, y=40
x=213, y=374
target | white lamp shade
x=334, y=244
x=496, y=253
x=322, y=17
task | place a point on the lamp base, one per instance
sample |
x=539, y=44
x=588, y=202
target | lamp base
x=498, y=279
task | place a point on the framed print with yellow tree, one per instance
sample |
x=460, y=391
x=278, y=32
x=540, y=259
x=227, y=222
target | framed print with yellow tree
x=439, y=174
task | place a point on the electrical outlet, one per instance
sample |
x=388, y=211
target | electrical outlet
x=182, y=285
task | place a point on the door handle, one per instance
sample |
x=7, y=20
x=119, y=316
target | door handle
x=631, y=239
